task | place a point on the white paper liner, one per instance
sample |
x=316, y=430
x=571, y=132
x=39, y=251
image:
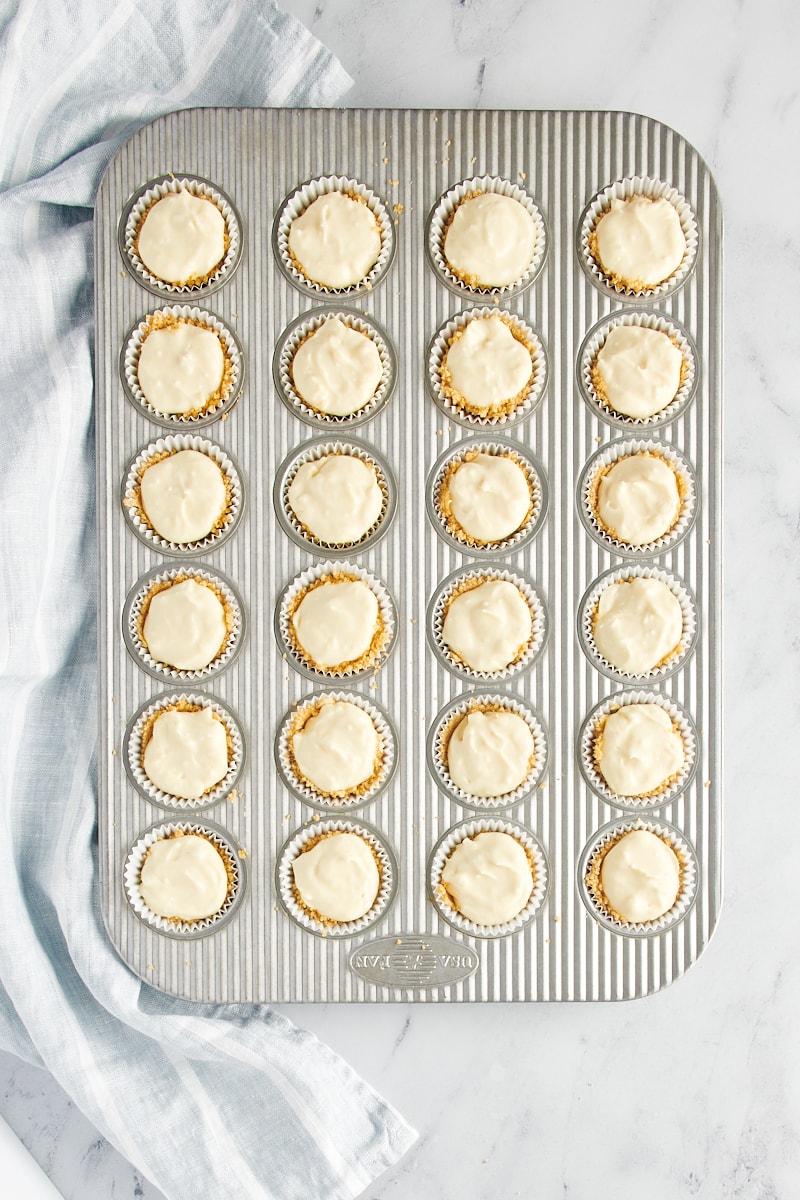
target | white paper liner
x=284, y=876
x=687, y=487
x=289, y=343
x=139, y=520
x=129, y=367
x=593, y=344
x=450, y=715
x=157, y=190
x=677, y=658
x=299, y=201
x=681, y=721
x=689, y=876
x=440, y=218
x=313, y=452
x=302, y=788
x=447, y=590
x=140, y=593
x=534, y=474
x=134, y=751
x=470, y=829
x=532, y=394
x=624, y=189
x=133, y=868
x=293, y=653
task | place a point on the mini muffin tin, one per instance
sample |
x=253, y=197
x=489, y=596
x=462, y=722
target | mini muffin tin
x=410, y=167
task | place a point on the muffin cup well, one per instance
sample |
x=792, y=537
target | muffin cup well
x=444, y=724
x=313, y=832
x=312, y=452
x=462, y=580
x=602, y=841
x=234, y=862
x=233, y=375
x=469, y=829
x=302, y=788
x=134, y=745
x=137, y=518
x=441, y=216
x=602, y=460
x=135, y=608
x=450, y=532
x=298, y=201
x=526, y=402
x=624, y=189
x=587, y=735
x=302, y=328
x=290, y=597
x=593, y=344
x=676, y=660
x=135, y=212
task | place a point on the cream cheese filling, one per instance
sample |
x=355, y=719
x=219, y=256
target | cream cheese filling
x=488, y=626
x=337, y=748
x=640, y=370
x=180, y=367
x=338, y=877
x=337, y=498
x=638, y=499
x=182, y=238
x=640, y=749
x=640, y=875
x=637, y=624
x=336, y=240
x=490, y=241
x=488, y=878
x=335, y=622
x=337, y=370
x=490, y=753
x=183, y=495
x=184, y=877
x=486, y=364
x=640, y=241
x=187, y=753
x=185, y=625
x=490, y=497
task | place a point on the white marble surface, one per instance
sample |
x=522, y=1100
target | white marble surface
x=695, y=1091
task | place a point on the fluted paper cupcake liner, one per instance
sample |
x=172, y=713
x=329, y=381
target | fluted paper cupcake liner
x=529, y=398
x=237, y=878
x=387, y=621
x=135, y=212
x=454, y=585
x=134, y=611
x=593, y=344
x=440, y=219
x=603, y=459
x=456, y=537
x=668, y=791
x=624, y=189
x=313, y=832
x=313, y=452
x=143, y=720
x=470, y=829
x=603, y=840
x=586, y=611
x=302, y=788
x=137, y=517
x=297, y=333
x=296, y=204
x=233, y=374
x=444, y=725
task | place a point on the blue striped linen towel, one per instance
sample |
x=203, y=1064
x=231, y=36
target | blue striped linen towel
x=228, y=1101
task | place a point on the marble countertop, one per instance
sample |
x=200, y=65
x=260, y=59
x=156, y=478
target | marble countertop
x=692, y=1091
